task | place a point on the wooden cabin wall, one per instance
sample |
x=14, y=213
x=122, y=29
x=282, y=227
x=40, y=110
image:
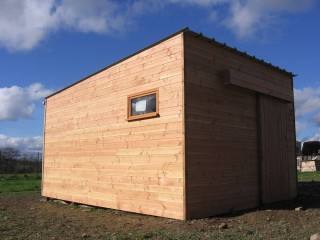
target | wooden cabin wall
x=222, y=168
x=93, y=155
x=223, y=136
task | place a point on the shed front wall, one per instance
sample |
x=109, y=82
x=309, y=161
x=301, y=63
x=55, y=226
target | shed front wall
x=224, y=130
x=93, y=155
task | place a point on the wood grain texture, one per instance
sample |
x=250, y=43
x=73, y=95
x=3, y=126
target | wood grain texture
x=200, y=156
x=260, y=85
x=277, y=149
x=93, y=155
x=222, y=131
x=221, y=136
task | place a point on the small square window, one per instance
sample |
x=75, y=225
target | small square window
x=143, y=105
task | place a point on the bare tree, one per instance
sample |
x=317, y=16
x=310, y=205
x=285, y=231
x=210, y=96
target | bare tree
x=8, y=158
x=14, y=161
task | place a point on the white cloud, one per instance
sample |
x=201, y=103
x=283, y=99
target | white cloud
x=21, y=143
x=23, y=24
x=315, y=137
x=250, y=16
x=307, y=100
x=307, y=111
x=204, y=3
x=17, y=102
x=100, y=16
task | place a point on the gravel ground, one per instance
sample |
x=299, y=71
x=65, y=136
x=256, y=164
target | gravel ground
x=28, y=217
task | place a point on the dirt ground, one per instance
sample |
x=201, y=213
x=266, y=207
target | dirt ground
x=27, y=217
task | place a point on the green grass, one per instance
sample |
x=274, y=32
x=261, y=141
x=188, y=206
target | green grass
x=308, y=176
x=23, y=183
x=19, y=183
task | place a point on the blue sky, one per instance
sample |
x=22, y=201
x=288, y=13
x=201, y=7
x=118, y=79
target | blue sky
x=49, y=44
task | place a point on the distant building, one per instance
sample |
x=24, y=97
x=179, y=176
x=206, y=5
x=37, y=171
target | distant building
x=311, y=148
x=309, y=161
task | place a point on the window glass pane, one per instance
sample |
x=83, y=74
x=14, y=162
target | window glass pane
x=143, y=105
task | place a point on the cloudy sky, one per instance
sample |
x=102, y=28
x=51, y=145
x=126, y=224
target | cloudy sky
x=49, y=44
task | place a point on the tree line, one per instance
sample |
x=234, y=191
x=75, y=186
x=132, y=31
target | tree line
x=15, y=161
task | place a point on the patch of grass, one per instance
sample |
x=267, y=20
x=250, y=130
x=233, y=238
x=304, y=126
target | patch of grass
x=19, y=183
x=309, y=176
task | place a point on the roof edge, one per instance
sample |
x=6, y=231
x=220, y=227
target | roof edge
x=183, y=30
x=121, y=60
x=224, y=45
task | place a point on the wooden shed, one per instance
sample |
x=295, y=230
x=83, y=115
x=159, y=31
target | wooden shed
x=185, y=128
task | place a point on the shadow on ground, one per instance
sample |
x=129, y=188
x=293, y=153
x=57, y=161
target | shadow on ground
x=309, y=194
x=308, y=197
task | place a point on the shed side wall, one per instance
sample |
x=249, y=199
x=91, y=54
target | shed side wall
x=93, y=155
x=224, y=145
x=221, y=134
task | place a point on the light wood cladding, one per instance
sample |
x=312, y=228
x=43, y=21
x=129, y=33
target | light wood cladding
x=223, y=165
x=93, y=155
x=221, y=135
x=213, y=147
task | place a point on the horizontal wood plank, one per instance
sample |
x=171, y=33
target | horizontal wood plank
x=221, y=136
x=257, y=84
x=93, y=155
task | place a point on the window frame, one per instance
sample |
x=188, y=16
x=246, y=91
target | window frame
x=145, y=115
